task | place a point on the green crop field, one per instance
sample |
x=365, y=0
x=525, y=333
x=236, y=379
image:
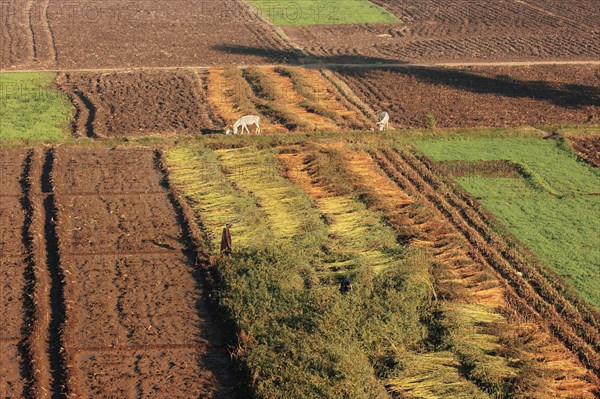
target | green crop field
x=32, y=108
x=553, y=208
x=315, y=12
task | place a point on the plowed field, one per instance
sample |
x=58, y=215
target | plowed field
x=443, y=30
x=101, y=294
x=128, y=104
x=42, y=34
x=481, y=96
x=135, y=321
x=588, y=147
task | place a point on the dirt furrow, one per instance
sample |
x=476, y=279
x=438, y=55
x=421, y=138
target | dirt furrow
x=83, y=119
x=50, y=52
x=57, y=299
x=29, y=10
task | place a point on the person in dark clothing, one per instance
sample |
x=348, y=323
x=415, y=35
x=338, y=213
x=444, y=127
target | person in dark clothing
x=226, y=240
x=346, y=285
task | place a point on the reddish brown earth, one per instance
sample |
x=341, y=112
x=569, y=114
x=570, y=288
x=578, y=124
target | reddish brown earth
x=588, y=147
x=138, y=103
x=42, y=34
x=480, y=96
x=464, y=30
x=12, y=274
x=100, y=288
x=26, y=37
x=136, y=323
x=141, y=103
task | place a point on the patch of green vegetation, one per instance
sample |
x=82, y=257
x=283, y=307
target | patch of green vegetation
x=357, y=235
x=289, y=212
x=198, y=174
x=316, y=343
x=551, y=210
x=32, y=108
x=299, y=337
x=316, y=12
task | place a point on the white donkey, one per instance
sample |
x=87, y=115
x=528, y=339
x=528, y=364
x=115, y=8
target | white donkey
x=244, y=122
x=384, y=121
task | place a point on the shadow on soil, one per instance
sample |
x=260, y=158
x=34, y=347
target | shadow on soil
x=217, y=358
x=563, y=95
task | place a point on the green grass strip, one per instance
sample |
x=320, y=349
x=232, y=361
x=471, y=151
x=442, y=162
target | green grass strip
x=32, y=108
x=317, y=12
x=551, y=210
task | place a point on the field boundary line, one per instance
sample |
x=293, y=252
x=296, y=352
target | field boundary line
x=127, y=348
x=277, y=30
x=197, y=250
x=124, y=253
x=110, y=193
x=315, y=65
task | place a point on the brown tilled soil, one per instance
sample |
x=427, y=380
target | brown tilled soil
x=481, y=96
x=464, y=30
x=588, y=147
x=12, y=275
x=137, y=103
x=41, y=34
x=136, y=322
x=101, y=291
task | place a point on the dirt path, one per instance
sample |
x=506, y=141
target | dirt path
x=320, y=65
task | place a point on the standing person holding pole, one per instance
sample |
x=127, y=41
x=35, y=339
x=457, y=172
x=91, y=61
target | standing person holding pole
x=226, y=240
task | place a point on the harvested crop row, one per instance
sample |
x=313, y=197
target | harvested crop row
x=244, y=185
x=288, y=211
x=133, y=309
x=576, y=334
x=515, y=252
x=320, y=97
x=288, y=99
x=470, y=294
x=357, y=237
